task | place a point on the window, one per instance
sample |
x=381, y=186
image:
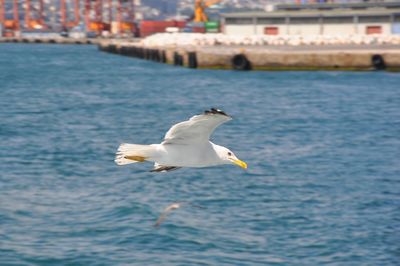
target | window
x=271, y=30
x=338, y=20
x=304, y=20
x=271, y=21
x=239, y=21
x=368, y=19
x=374, y=29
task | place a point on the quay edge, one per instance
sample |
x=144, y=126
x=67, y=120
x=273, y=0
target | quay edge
x=49, y=40
x=268, y=58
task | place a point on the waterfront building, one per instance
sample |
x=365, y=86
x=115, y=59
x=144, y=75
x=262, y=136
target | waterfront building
x=317, y=19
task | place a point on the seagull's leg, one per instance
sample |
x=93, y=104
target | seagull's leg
x=135, y=158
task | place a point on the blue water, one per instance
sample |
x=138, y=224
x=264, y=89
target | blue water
x=323, y=149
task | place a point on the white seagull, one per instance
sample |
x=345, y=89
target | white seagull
x=172, y=207
x=163, y=215
x=186, y=144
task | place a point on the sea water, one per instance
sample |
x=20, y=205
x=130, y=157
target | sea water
x=323, y=150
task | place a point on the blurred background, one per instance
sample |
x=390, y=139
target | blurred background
x=141, y=18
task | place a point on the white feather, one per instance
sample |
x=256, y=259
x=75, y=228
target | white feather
x=126, y=149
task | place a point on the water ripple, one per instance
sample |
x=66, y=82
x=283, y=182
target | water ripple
x=323, y=152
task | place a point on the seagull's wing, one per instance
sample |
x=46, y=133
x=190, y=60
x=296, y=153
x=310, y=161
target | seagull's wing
x=197, y=129
x=163, y=215
x=160, y=220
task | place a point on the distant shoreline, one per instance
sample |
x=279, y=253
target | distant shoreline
x=339, y=57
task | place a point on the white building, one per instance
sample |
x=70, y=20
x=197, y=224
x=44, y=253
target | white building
x=324, y=20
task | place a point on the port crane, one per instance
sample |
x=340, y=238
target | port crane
x=93, y=11
x=199, y=9
x=34, y=16
x=65, y=22
x=10, y=25
x=124, y=16
x=98, y=16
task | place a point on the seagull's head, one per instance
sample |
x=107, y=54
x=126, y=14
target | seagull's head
x=228, y=157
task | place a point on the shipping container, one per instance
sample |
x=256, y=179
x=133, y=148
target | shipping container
x=9, y=24
x=8, y=34
x=212, y=25
x=157, y=23
x=96, y=26
x=187, y=29
x=39, y=34
x=396, y=28
x=172, y=29
x=198, y=29
x=122, y=27
x=149, y=27
x=114, y=27
x=212, y=30
x=195, y=24
x=180, y=24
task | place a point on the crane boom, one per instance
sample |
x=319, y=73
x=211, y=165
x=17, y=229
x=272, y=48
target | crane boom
x=199, y=9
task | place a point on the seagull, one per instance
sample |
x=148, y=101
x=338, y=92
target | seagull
x=186, y=144
x=164, y=214
x=170, y=208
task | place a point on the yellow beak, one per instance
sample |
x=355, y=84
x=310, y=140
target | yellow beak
x=240, y=163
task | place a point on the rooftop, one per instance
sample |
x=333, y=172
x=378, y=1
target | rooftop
x=313, y=13
x=327, y=6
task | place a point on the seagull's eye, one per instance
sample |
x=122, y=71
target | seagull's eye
x=229, y=153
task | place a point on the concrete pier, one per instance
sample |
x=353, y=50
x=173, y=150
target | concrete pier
x=362, y=57
x=333, y=57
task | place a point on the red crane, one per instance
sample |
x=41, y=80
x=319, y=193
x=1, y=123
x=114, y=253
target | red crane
x=10, y=25
x=125, y=16
x=199, y=9
x=34, y=22
x=98, y=15
x=65, y=22
x=110, y=11
x=2, y=11
x=94, y=16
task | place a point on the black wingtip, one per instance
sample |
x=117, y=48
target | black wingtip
x=215, y=111
x=165, y=168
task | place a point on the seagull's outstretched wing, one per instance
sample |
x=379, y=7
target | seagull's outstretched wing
x=163, y=215
x=197, y=129
x=172, y=207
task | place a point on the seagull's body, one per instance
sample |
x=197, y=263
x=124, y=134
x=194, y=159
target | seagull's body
x=186, y=144
x=187, y=155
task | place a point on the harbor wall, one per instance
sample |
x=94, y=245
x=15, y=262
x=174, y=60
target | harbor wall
x=360, y=58
x=49, y=40
x=247, y=57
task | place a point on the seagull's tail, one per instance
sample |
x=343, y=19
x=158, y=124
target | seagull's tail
x=133, y=153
